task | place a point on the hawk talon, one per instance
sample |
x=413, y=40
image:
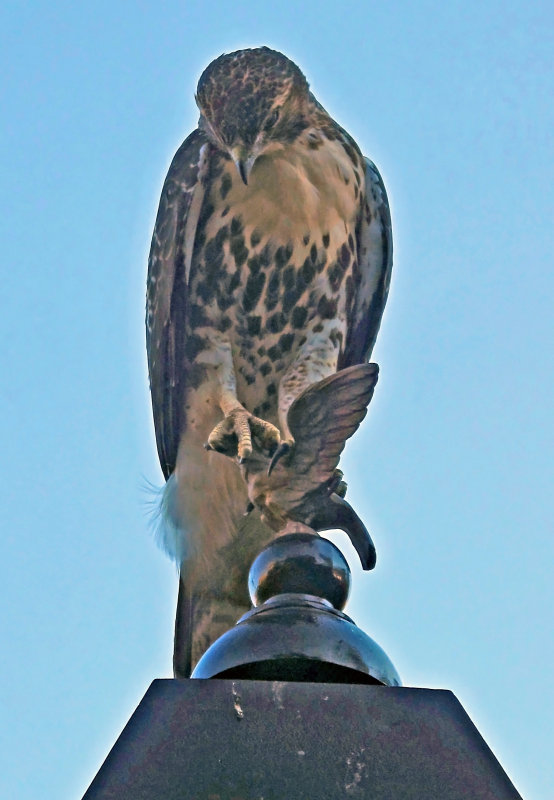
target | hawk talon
x=233, y=435
x=283, y=449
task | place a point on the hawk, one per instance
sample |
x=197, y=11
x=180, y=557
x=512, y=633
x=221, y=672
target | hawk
x=269, y=271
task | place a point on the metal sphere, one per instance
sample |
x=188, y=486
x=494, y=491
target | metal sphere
x=302, y=563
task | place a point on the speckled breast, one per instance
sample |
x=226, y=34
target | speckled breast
x=273, y=265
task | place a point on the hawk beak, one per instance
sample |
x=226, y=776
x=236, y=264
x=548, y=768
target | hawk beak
x=241, y=166
x=244, y=161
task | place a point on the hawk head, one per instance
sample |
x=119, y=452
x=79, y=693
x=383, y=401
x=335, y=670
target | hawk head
x=249, y=99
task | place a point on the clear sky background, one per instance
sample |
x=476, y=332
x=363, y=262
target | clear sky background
x=453, y=468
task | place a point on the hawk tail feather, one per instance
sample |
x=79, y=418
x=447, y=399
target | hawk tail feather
x=170, y=535
x=182, y=643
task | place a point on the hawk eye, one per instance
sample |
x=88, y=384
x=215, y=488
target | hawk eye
x=272, y=119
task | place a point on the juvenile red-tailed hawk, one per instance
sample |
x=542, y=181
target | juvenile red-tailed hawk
x=269, y=270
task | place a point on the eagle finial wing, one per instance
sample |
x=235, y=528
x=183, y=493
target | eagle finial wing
x=323, y=418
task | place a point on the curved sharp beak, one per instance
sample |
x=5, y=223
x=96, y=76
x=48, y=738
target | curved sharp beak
x=244, y=161
x=241, y=166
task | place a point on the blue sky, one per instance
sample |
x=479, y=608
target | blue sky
x=452, y=470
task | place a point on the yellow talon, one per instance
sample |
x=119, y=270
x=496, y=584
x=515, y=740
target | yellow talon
x=233, y=435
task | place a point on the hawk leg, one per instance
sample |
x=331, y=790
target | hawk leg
x=315, y=360
x=233, y=435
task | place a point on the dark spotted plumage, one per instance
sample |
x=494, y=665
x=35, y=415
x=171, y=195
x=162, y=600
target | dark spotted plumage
x=269, y=270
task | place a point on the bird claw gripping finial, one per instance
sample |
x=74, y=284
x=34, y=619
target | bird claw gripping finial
x=301, y=483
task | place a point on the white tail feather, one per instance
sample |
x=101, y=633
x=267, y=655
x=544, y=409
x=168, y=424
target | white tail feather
x=169, y=534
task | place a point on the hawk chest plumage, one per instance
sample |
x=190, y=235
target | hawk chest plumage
x=274, y=266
